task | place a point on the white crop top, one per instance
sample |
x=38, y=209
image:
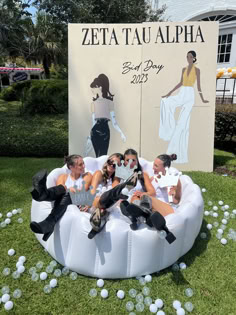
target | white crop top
x=71, y=183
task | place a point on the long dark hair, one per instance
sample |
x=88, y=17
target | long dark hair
x=102, y=81
x=139, y=167
x=105, y=175
x=167, y=159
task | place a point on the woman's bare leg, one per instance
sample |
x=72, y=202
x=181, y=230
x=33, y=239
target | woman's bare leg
x=161, y=207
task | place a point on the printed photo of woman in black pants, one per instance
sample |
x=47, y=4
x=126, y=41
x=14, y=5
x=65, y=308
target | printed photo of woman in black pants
x=102, y=109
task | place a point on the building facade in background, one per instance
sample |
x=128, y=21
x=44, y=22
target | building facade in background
x=223, y=11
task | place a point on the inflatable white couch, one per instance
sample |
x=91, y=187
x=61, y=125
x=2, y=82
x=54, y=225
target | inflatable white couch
x=117, y=251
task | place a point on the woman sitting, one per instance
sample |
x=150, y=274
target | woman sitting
x=59, y=193
x=106, y=180
x=154, y=207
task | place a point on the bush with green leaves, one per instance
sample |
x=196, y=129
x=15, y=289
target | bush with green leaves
x=225, y=126
x=46, y=97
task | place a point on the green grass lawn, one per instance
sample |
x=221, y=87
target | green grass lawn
x=211, y=271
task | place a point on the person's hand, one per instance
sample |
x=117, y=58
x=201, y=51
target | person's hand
x=172, y=191
x=138, y=194
x=84, y=208
x=123, y=137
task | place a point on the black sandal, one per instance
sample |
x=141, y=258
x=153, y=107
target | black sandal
x=159, y=223
x=98, y=220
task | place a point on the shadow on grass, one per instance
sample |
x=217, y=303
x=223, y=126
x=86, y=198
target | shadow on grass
x=226, y=145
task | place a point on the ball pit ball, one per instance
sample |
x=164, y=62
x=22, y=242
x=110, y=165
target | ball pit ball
x=53, y=283
x=209, y=226
x=21, y=269
x=104, y=293
x=223, y=241
x=18, y=264
x=159, y=303
x=180, y=311
x=188, y=306
x=148, y=300
x=0, y=215
x=234, y=211
x=215, y=208
x=226, y=207
x=5, y=289
x=93, y=292
x=206, y=213
x=8, y=306
x=215, y=214
x=182, y=265
x=224, y=221
x=22, y=259
x=129, y=306
x=43, y=275
x=132, y=293
x=221, y=203
x=120, y=294
x=5, y=297
x=220, y=231
x=176, y=304
x=11, y=252
x=148, y=278
x=9, y=214
x=139, y=307
x=14, y=211
x=100, y=283
x=203, y=189
x=189, y=292
x=161, y=313
x=17, y=294
x=153, y=308
x=8, y=221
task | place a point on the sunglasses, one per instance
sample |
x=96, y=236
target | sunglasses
x=111, y=163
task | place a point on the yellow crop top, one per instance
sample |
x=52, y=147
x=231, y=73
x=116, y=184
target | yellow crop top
x=189, y=80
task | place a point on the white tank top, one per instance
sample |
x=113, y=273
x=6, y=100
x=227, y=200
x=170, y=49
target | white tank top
x=161, y=193
x=104, y=187
x=71, y=183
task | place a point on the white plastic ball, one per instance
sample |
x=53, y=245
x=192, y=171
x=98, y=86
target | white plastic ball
x=0, y=215
x=93, y=292
x=5, y=297
x=182, y=265
x=210, y=203
x=176, y=304
x=8, y=221
x=159, y=303
x=161, y=313
x=14, y=211
x=223, y=241
x=11, y=252
x=226, y=214
x=104, y=293
x=9, y=214
x=8, y=306
x=180, y=311
x=215, y=208
x=153, y=308
x=226, y=207
x=221, y=203
x=129, y=306
x=21, y=269
x=189, y=306
x=22, y=258
x=120, y=294
x=203, y=189
x=220, y=231
x=206, y=213
x=18, y=264
x=100, y=283
x=43, y=275
x=17, y=294
x=234, y=211
x=209, y=226
x=145, y=291
x=142, y=281
x=189, y=292
x=224, y=221
x=132, y=293
x=53, y=283
x=215, y=214
x=148, y=278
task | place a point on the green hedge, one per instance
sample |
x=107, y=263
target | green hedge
x=39, y=96
x=225, y=126
x=41, y=136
